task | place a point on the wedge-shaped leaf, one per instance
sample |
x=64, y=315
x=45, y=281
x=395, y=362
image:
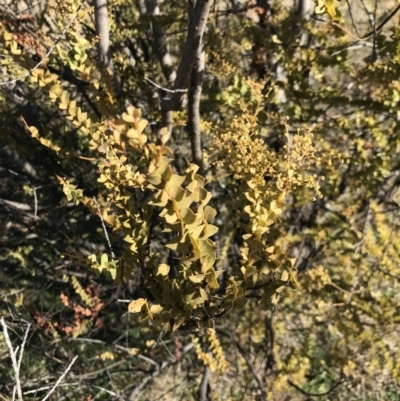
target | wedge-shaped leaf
x=173, y=180
x=7, y=36
x=209, y=213
x=280, y=289
x=163, y=270
x=132, y=134
x=154, y=179
x=285, y=276
x=156, y=172
x=128, y=118
x=293, y=279
x=64, y=100
x=188, y=216
x=178, y=244
x=270, y=249
x=165, y=135
x=196, y=232
x=192, y=169
x=211, y=277
x=160, y=199
x=195, y=246
x=176, y=192
x=199, y=179
x=240, y=302
x=196, y=278
x=136, y=306
x=265, y=269
x=188, y=296
x=112, y=272
x=208, y=262
x=156, y=309
x=192, y=186
x=178, y=324
x=141, y=125
x=142, y=139
x=185, y=201
x=203, y=294
x=104, y=259
x=274, y=299
x=82, y=116
x=196, y=302
x=169, y=214
x=210, y=230
x=248, y=271
x=204, y=196
x=206, y=247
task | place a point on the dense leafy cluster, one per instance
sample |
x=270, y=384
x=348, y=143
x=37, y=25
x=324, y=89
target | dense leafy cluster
x=257, y=225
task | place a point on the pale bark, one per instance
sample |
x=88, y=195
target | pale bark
x=198, y=12
x=104, y=44
x=194, y=107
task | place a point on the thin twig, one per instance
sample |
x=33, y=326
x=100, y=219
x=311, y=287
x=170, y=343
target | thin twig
x=17, y=387
x=165, y=89
x=23, y=346
x=259, y=381
x=104, y=229
x=30, y=7
x=315, y=394
x=60, y=378
x=367, y=35
x=204, y=385
x=48, y=387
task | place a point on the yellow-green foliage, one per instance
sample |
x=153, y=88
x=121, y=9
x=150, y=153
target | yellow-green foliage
x=211, y=353
x=295, y=250
x=179, y=203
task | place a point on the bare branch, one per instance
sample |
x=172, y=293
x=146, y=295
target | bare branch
x=159, y=44
x=60, y=379
x=197, y=24
x=104, y=228
x=194, y=107
x=316, y=394
x=161, y=50
x=165, y=89
x=15, y=364
x=102, y=29
x=205, y=385
x=304, y=9
x=103, y=45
